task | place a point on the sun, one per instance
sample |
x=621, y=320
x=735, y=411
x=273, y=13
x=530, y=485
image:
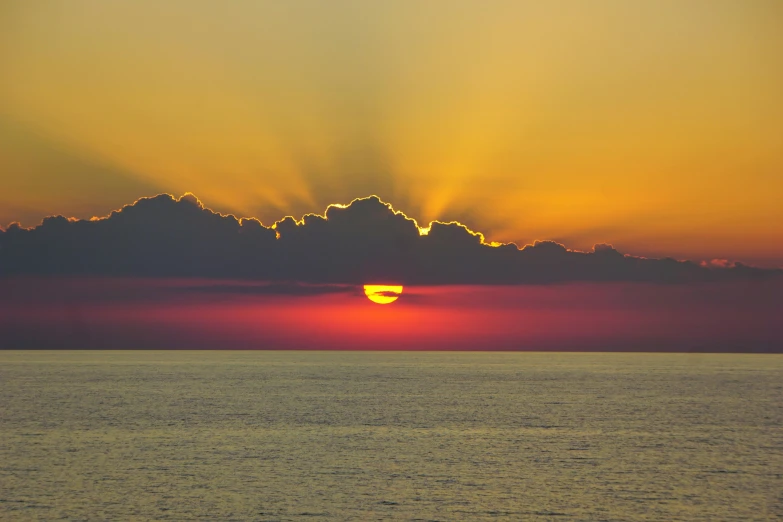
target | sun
x=382, y=294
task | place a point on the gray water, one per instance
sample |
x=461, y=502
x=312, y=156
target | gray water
x=377, y=436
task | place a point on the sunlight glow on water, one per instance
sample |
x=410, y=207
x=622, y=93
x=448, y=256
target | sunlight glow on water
x=368, y=436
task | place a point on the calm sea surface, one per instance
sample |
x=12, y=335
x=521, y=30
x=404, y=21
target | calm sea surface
x=377, y=436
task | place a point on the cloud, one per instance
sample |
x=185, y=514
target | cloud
x=719, y=263
x=366, y=241
x=281, y=288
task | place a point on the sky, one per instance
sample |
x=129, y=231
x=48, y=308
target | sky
x=197, y=314
x=571, y=175
x=656, y=127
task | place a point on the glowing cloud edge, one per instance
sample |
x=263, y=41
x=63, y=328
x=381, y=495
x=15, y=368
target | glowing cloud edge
x=52, y=247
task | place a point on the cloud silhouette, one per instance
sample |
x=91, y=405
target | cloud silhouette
x=366, y=241
x=280, y=288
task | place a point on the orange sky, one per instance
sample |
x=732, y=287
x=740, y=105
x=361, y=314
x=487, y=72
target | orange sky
x=654, y=126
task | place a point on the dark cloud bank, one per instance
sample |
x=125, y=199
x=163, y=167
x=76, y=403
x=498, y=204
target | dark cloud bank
x=366, y=241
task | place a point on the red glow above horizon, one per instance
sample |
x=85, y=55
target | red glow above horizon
x=107, y=313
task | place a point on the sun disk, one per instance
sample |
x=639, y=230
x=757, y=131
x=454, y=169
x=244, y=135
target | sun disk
x=382, y=294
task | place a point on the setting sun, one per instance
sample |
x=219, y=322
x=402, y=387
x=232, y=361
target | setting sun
x=382, y=294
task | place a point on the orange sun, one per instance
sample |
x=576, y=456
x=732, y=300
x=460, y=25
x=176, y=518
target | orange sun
x=382, y=294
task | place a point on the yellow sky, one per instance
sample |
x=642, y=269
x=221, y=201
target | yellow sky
x=653, y=125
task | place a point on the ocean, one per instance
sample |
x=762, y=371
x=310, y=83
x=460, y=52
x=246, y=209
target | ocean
x=305, y=435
